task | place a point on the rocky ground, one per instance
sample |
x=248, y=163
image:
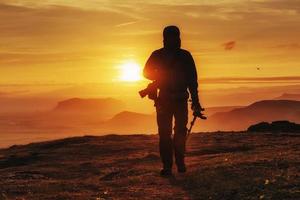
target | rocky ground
x=220, y=166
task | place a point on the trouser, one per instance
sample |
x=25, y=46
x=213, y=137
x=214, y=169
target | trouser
x=167, y=144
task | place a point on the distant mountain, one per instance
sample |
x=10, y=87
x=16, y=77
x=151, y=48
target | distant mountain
x=130, y=117
x=93, y=113
x=212, y=110
x=103, y=106
x=88, y=112
x=131, y=122
x=242, y=118
x=288, y=96
x=228, y=118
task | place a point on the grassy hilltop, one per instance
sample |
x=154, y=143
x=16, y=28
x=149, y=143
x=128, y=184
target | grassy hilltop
x=220, y=166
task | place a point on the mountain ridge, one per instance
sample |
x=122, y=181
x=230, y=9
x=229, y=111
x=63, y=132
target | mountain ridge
x=289, y=96
x=265, y=110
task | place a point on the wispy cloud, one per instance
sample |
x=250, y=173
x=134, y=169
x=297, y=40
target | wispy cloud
x=126, y=24
x=229, y=45
x=94, y=33
x=253, y=80
x=287, y=46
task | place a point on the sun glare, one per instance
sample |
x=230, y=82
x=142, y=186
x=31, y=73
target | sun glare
x=130, y=71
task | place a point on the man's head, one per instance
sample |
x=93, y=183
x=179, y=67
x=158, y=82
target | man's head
x=171, y=36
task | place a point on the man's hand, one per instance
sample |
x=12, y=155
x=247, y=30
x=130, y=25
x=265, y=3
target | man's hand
x=197, y=109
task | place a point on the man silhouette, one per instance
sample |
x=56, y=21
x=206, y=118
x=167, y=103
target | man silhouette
x=173, y=69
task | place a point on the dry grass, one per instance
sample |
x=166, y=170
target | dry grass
x=221, y=166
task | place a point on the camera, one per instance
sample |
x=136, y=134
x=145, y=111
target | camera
x=150, y=91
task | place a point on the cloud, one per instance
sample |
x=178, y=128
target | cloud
x=55, y=33
x=126, y=24
x=229, y=45
x=11, y=93
x=249, y=80
x=287, y=46
x=62, y=34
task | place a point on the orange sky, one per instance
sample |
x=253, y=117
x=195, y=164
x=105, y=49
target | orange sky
x=75, y=41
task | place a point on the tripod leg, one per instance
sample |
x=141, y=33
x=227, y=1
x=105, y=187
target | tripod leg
x=191, y=126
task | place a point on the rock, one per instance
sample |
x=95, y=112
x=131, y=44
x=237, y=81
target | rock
x=276, y=126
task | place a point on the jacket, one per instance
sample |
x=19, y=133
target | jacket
x=175, y=73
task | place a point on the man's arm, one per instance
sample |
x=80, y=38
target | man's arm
x=193, y=83
x=150, y=69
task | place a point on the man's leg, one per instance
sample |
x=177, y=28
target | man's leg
x=164, y=122
x=181, y=120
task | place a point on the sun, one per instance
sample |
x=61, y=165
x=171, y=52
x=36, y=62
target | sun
x=130, y=71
